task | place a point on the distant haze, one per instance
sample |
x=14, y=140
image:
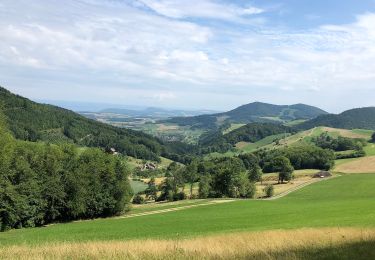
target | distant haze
x=191, y=54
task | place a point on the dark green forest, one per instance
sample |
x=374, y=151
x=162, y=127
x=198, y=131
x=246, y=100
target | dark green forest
x=253, y=112
x=43, y=183
x=358, y=118
x=31, y=121
x=216, y=141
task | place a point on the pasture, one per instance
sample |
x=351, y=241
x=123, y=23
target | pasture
x=360, y=165
x=307, y=243
x=329, y=203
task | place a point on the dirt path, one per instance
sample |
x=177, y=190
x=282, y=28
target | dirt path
x=213, y=202
x=176, y=209
x=283, y=194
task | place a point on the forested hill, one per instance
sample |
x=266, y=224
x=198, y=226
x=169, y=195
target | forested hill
x=253, y=112
x=363, y=118
x=32, y=121
x=216, y=141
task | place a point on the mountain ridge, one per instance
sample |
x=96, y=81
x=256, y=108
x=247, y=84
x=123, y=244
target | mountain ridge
x=363, y=118
x=250, y=113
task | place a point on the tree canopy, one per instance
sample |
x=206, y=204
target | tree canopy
x=43, y=183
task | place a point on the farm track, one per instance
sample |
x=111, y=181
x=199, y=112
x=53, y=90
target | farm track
x=283, y=194
x=176, y=209
x=213, y=202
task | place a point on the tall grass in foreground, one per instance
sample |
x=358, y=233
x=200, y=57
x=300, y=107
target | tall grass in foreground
x=324, y=243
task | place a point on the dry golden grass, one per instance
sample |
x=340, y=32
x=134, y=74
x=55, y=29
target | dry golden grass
x=362, y=165
x=278, y=244
x=300, y=177
x=241, y=145
x=345, y=132
x=158, y=180
x=162, y=127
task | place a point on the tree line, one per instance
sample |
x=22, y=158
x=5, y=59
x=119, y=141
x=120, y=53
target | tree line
x=43, y=183
x=341, y=144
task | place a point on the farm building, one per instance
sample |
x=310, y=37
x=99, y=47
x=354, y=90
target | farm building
x=322, y=174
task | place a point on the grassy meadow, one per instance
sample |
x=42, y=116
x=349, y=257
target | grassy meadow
x=329, y=203
x=323, y=243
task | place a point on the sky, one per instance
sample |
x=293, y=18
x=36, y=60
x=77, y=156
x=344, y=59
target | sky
x=192, y=54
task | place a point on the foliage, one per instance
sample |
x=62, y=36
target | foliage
x=152, y=190
x=269, y=190
x=359, y=118
x=31, y=121
x=373, y=138
x=138, y=199
x=329, y=198
x=338, y=144
x=215, y=141
x=253, y=112
x=43, y=183
x=251, y=163
x=225, y=177
x=351, y=154
x=300, y=156
x=204, y=187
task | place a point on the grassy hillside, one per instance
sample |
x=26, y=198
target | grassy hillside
x=253, y=112
x=253, y=132
x=325, y=204
x=305, y=137
x=351, y=119
x=31, y=121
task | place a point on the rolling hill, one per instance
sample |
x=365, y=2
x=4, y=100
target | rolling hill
x=358, y=118
x=32, y=121
x=253, y=112
x=217, y=141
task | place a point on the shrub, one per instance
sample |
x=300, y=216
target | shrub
x=138, y=199
x=179, y=196
x=269, y=191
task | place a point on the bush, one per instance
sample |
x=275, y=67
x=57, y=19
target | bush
x=269, y=191
x=179, y=196
x=373, y=138
x=138, y=199
x=354, y=154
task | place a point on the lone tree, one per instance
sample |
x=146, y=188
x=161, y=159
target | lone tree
x=152, y=190
x=251, y=163
x=269, y=191
x=284, y=167
x=191, y=175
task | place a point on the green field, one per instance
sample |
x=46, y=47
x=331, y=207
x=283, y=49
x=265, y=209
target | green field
x=138, y=186
x=300, y=137
x=331, y=203
x=232, y=128
x=370, y=149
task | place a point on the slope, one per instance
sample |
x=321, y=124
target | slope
x=358, y=118
x=32, y=121
x=253, y=112
x=323, y=204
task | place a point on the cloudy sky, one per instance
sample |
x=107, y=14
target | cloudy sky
x=211, y=54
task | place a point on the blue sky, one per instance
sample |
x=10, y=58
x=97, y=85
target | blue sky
x=190, y=53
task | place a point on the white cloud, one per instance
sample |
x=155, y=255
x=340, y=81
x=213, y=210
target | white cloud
x=164, y=96
x=114, y=44
x=200, y=8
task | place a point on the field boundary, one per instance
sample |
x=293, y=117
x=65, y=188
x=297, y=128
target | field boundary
x=283, y=194
x=219, y=201
x=213, y=202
